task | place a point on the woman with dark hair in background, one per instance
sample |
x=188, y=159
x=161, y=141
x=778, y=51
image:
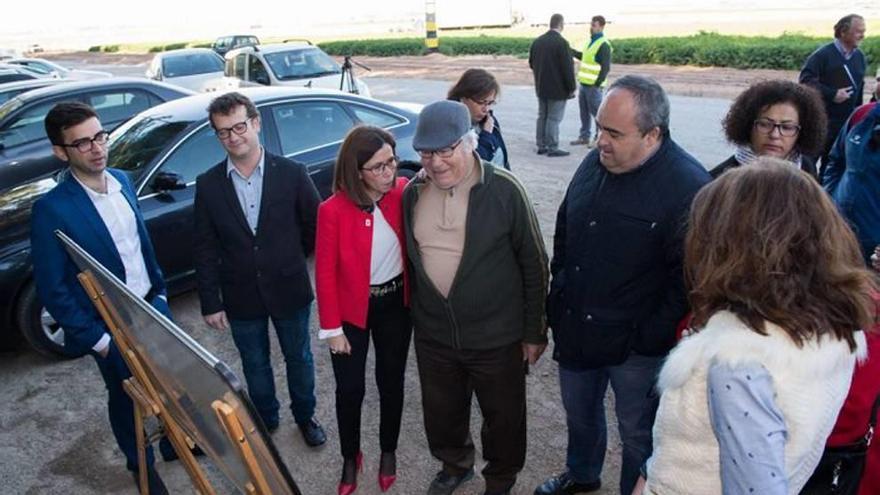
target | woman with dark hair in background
x=775, y=118
x=361, y=289
x=778, y=291
x=478, y=90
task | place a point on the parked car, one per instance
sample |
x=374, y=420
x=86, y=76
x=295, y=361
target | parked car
x=190, y=68
x=163, y=150
x=56, y=71
x=225, y=43
x=286, y=64
x=25, y=150
x=10, y=90
x=11, y=73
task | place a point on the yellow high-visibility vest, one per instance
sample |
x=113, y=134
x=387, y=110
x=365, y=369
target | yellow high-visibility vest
x=589, y=71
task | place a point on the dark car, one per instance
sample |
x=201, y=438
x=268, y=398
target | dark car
x=163, y=150
x=10, y=90
x=225, y=43
x=25, y=151
x=12, y=73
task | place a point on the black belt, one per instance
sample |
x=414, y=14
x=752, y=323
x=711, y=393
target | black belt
x=389, y=287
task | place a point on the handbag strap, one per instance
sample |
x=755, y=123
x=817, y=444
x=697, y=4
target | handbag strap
x=872, y=422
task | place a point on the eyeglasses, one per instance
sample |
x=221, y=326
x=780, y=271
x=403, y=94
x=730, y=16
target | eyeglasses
x=85, y=145
x=442, y=152
x=239, y=129
x=787, y=129
x=485, y=103
x=389, y=164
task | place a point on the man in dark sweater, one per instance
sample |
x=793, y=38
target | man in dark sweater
x=617, y=292
x=550, y=59
x=478, y=287
x=837, y=70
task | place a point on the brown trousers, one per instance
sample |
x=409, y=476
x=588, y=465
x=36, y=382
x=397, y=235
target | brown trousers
x=449, y=379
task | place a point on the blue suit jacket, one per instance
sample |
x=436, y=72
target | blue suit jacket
x=68, y=208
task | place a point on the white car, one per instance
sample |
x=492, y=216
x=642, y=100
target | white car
x=56, y=71
x=286, y=64
x=190, y=68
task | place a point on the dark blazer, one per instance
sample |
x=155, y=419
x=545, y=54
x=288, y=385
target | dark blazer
x=253, y=276
x=68, y=208
x=551, y=61
x=808, y=165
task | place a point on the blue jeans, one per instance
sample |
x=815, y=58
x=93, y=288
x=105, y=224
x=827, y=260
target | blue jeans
x=252, y=340
x=589, y=99
x=583, y=395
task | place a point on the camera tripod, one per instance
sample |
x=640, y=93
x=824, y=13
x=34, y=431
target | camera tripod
x=346, y=80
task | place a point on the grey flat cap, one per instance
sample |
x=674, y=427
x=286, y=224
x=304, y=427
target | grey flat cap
x=441, y=124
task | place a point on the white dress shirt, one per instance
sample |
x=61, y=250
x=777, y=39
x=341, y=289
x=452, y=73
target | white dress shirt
x=118, y=216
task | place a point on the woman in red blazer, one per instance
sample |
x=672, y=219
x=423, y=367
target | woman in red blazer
x=361, y=288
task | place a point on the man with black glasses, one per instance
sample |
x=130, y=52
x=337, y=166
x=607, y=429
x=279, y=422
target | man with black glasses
x=478, y=285
x=255, y=219
x=97, y=208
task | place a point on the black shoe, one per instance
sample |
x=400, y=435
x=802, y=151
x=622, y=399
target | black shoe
x=564, y=485
x=312, y=432
x=171, y=455
x=542, y=151
x=445, y=483
x=557, y=152
x=154, y=482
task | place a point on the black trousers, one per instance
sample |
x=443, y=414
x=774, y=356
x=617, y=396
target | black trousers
x=449, y=378
x=389, y=324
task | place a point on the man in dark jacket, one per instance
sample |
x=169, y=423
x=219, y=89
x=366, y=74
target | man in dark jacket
x=617, y=292
x=550, y=59
x=837, y=70
x=255, y=216
x=479, y=281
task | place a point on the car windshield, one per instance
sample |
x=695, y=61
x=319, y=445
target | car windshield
x=301, y=64
x=134, y=145
x=187, y=65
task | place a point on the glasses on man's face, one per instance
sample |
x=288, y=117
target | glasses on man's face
x=380, y=169
x=84, y=145
x=239, y=129
x=787, y=129
x=442, y=152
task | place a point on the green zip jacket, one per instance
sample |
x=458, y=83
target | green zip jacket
x=498, y=293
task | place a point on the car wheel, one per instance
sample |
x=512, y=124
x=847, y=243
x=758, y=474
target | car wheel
x=37, y=326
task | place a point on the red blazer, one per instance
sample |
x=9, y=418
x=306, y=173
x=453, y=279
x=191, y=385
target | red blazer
x=852, y=422
x=343, y=245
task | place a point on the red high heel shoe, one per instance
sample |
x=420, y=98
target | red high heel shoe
x=386, y=480
x=349, y=488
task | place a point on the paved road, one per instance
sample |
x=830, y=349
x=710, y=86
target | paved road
x=54, y=436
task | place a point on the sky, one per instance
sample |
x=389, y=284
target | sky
x=113, y=21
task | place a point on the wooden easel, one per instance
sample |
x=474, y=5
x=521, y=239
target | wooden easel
x=147, y=404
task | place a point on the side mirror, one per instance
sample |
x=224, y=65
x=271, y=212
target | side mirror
x=168, y=181
x=262, y=79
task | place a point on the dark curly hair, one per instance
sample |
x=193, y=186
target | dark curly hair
x=741, y=117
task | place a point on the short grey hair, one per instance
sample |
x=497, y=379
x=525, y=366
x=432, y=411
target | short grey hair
x=470, y=139
x=651, y=102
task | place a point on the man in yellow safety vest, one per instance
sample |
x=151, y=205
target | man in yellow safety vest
x=592, y=75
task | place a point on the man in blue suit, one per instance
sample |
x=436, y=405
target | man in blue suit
x=97, y=208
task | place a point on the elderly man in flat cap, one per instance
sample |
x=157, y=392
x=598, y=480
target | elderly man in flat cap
x=479, y=282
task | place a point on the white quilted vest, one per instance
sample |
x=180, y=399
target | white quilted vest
x=810, y=383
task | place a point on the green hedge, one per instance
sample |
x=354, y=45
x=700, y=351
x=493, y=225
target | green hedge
x=704, y=49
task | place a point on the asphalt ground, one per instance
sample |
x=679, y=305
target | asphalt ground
x=54, y=433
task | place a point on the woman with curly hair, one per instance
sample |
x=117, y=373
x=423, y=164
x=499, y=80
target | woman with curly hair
x=775, y=118
x=778, y=290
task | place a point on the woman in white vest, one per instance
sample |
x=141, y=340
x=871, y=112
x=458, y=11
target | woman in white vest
x=778, y=290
